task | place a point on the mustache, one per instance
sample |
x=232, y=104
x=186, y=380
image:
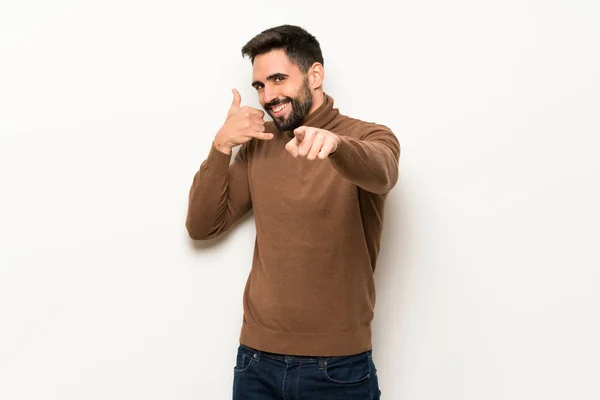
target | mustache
x=276, y=102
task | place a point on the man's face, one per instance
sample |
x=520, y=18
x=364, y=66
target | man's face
x=282, y=88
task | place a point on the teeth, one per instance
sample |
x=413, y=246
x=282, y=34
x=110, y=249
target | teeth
x=279, y=108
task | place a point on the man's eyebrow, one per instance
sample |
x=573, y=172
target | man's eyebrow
x=270, y=78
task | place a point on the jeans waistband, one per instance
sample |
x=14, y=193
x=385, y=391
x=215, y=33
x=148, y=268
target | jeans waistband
x=283, y=357
x=287, y=358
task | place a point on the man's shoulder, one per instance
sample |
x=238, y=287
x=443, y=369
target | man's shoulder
x=357, y=127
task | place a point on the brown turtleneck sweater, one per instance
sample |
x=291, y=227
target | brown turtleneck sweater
x=310, y=290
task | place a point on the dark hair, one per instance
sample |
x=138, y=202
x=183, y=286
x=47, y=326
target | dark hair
x=301, y=47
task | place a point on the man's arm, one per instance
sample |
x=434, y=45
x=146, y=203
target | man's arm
x=370, y=161
x=219, y=195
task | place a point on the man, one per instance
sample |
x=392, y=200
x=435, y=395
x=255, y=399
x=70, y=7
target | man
x=317, y=181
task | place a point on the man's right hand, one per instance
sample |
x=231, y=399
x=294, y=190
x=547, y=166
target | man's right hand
x=242, y=125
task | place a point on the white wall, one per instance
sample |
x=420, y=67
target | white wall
x=488, y=276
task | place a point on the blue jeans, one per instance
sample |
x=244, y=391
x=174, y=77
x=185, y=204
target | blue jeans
x=259, y=375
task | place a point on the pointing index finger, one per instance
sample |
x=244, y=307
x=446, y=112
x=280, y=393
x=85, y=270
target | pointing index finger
x=299, y=133
x=292, y=146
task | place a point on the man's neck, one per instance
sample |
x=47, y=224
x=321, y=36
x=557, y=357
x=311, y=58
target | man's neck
x=318, y=99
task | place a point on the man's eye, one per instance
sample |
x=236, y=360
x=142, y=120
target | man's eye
x=279, y=79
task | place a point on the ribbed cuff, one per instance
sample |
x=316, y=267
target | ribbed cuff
x=217, y=161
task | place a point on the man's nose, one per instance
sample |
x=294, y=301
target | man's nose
x=270, y=94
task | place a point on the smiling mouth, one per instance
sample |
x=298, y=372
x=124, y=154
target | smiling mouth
x=279, y=108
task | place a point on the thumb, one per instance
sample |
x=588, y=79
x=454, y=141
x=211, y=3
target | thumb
x=237, y=100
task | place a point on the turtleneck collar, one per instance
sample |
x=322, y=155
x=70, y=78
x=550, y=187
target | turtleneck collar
x=320, y=117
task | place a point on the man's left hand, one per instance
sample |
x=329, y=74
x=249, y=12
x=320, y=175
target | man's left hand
x=312, y=142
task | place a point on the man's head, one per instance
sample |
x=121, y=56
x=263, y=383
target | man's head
x=287, y=72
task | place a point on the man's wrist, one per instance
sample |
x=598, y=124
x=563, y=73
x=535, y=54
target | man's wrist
x=223, y=148
x=338, y=141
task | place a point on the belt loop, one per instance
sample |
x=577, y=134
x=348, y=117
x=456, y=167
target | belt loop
x=321, y=362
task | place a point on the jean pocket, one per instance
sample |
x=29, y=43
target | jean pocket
x=243, y=361
x=348, y=370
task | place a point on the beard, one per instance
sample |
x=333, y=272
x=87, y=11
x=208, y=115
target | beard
x=300, y=104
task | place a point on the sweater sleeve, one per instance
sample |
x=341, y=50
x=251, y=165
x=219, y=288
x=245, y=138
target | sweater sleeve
x=219, y=195
x=371, y=161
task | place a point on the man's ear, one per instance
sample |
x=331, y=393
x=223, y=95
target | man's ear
x=316, y=74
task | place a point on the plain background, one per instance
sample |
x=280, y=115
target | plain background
x=487, y=285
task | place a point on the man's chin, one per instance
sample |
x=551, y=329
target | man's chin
x=285, y=122
x=282, y=122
